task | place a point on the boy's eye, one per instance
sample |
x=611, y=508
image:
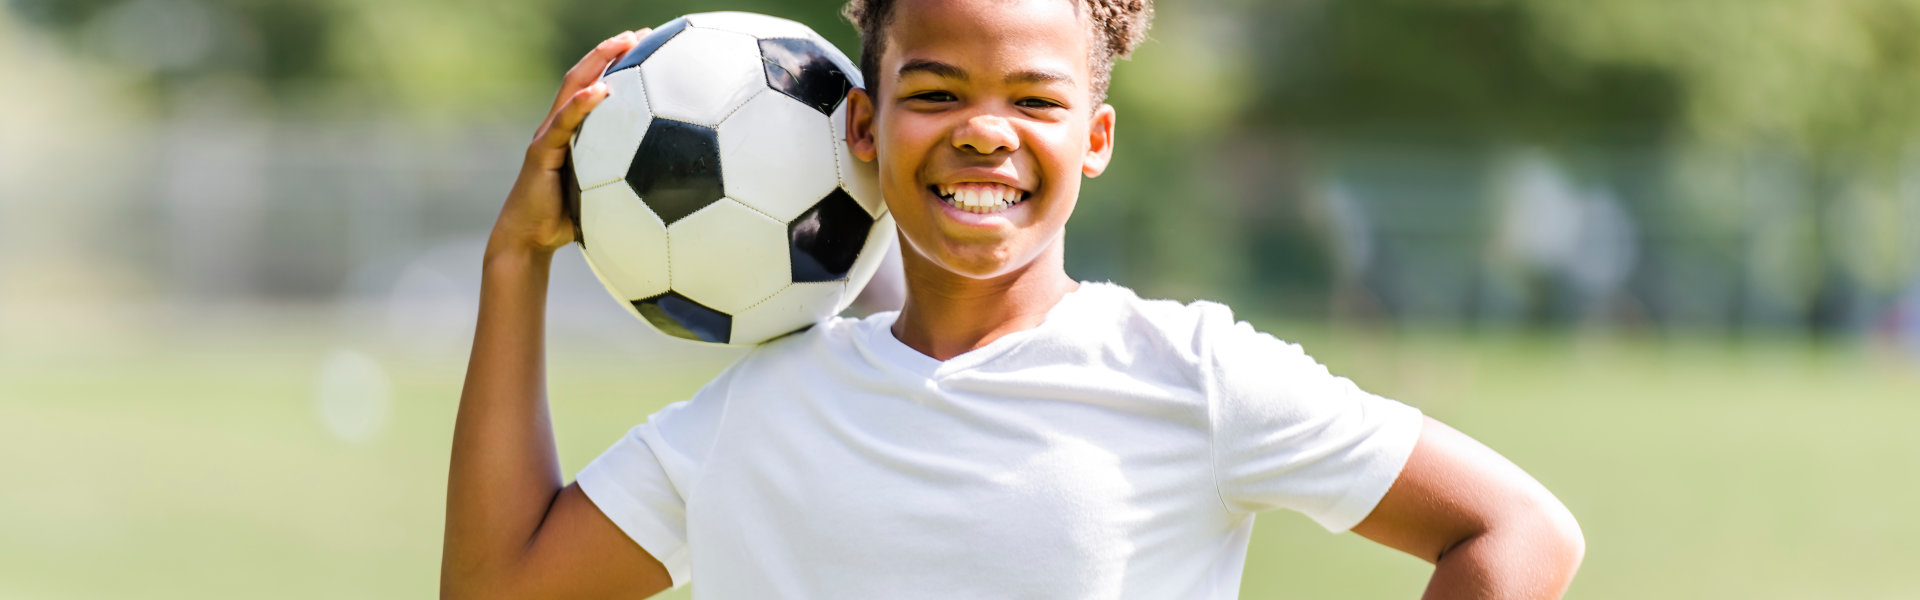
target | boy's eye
x=932, y=97
x=1038, y=103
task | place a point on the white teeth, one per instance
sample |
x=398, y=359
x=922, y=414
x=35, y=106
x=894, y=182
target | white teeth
x=979, y=198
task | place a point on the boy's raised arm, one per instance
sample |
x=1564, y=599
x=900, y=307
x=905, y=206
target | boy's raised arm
x=512, y=531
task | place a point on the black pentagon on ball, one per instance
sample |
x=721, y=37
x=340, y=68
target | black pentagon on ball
x=824, y=241
x=804, y=70
x=680, y=317
x=676, y=171
x=647, y=46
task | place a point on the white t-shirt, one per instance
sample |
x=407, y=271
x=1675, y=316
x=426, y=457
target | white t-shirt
x=1118, y=450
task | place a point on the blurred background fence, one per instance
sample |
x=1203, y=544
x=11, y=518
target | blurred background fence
x=243, y=235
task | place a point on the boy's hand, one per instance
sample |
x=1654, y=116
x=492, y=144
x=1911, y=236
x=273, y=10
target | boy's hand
x=534, y=218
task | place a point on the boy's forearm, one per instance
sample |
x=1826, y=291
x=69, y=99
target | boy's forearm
x=1516, y=562
x=504, y=470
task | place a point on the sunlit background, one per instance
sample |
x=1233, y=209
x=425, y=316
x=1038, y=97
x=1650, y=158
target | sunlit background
x=1663, y=254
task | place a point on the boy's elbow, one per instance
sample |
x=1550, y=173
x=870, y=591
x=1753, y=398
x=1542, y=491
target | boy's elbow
x=1539, y=532
x=1576, y=545
x=1560, y=534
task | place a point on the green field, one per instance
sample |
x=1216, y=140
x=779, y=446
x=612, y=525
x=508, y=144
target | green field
x=1698, y=468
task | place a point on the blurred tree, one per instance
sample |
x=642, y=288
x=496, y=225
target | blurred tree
x=1448, y=70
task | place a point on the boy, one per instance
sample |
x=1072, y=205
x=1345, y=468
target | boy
x=1009, y=433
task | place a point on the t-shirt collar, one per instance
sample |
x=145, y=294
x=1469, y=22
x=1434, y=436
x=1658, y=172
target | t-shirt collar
x=879, y=339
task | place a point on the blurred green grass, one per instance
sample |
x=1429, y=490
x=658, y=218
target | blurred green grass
x=1699, y=468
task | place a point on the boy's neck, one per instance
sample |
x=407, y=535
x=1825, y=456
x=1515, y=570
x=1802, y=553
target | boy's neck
x=947, y=314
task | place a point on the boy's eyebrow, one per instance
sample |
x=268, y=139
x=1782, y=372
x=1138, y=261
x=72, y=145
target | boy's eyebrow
x=1039, y=76
x=947, y=71
x=931, y=67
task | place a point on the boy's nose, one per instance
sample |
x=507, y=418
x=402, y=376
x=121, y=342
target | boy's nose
x=986, y=134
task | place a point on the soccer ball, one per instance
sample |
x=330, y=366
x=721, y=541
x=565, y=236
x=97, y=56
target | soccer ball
x=718, y=200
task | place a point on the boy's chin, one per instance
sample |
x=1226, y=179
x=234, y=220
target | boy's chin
x=975, y=260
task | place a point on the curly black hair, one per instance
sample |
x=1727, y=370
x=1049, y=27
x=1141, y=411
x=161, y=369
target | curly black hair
x=1118, y=26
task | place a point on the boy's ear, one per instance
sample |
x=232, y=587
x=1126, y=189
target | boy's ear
x=1099, y=141
x=860, y=125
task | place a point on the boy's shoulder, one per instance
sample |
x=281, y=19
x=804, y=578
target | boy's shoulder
x=1118, y=311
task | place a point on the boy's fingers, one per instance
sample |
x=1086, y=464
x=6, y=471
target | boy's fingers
x=588, y=70
x=550, y=148
x=590, y=66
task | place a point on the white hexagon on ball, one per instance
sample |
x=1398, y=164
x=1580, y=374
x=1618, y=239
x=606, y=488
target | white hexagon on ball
x=797, y=306
x=702, y=75
x=761, y=167
x=727, y=256
x=625, y=243
x=860, y=179
x=604, y=147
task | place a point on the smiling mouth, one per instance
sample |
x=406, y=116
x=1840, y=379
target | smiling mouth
x=979, y=198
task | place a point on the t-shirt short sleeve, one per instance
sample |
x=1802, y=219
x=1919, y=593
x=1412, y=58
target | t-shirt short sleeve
x=641, y=482
x=1289, y=434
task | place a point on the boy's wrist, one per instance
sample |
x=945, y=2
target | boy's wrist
x=502, y=253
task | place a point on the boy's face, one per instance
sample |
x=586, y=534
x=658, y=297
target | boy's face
x=982, y=123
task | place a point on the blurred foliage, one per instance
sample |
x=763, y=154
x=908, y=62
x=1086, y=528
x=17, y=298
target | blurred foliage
x=1455, y=70
x=418, y=57
x=1825, y=75
x=1762, y=144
